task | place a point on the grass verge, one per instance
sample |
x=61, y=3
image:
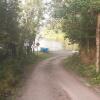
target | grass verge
x=87, y=71
x=12, y=73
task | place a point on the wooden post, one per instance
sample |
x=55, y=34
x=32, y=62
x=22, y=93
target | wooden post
x=98, y=45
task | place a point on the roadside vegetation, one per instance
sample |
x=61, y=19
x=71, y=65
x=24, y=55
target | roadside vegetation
x=78, y=19
x=88, y=71
x=19, y=25
x=13, y=73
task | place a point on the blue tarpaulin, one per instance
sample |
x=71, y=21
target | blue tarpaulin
x=44, y=49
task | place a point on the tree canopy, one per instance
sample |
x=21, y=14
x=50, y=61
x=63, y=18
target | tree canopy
x=79, y=19
x=19, y=22
x=79, y=22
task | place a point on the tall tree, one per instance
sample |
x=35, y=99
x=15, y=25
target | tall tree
x=9, y=26
x=79, y=23
x=98, y=44
x=19, y=21
x=31, y=17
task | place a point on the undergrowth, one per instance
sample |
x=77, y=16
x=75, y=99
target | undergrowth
x=12, y=72
x=88, y=71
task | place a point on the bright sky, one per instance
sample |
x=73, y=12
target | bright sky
x=46, y=14
x=46, y=1
x=23, y=1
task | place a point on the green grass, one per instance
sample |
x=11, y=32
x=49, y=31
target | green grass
x=87, y=71
x=43, y=56
x=13, y=70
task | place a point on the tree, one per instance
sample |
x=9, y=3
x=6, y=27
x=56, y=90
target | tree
x=30, y=22
x=17, y=24
x=9, y=26
x=98, y=44
x=79, y=24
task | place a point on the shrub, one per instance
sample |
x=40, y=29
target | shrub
x=88, y=71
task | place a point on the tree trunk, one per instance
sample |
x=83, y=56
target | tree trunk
x=98, y=44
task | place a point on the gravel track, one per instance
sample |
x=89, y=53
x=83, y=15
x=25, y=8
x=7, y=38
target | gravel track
x=50, y=81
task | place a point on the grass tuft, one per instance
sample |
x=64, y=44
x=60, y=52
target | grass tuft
x=13, y=70
x=87, y=71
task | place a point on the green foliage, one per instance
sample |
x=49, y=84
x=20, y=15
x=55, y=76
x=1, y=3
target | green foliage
x=18, y=23
x=43, y=56
x=9, y=29
x=79, y=20
x=12, y=73
x=88, y=71
x=30, y=21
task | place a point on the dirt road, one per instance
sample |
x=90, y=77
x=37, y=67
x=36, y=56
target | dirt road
x=50, y=81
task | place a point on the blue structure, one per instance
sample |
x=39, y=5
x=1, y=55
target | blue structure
x=44, y=50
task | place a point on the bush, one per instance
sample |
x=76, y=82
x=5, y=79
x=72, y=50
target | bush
x=12, y=72
x=88, y=71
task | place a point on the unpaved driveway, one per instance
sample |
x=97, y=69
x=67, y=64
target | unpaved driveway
x=49, y=81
